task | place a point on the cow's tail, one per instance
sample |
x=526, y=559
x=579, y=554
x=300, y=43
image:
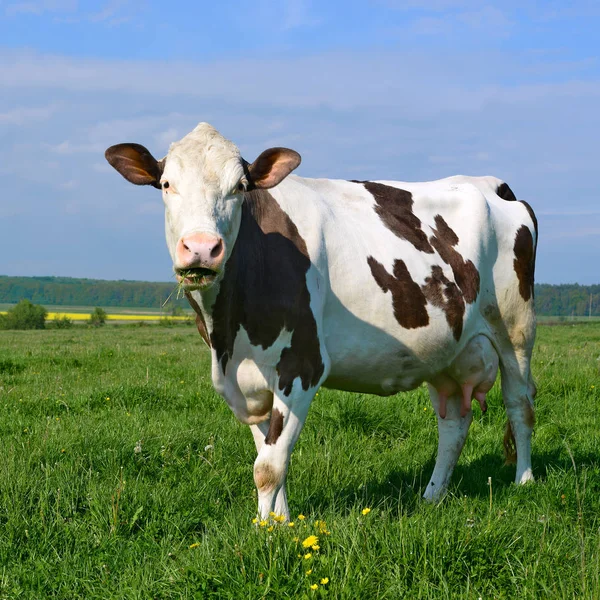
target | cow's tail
x=510, y=448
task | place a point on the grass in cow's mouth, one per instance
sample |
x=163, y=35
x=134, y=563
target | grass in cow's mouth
x=188, y=274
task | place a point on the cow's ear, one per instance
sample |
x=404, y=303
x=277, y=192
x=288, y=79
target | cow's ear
x=271, y=167
x=136, y=164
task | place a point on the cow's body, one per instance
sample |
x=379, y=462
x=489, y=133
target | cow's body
x=372, y=287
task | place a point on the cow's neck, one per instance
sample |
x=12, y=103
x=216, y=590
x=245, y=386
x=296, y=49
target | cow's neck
x=264, y=286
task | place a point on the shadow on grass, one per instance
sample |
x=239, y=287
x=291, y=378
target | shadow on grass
x=402, y=489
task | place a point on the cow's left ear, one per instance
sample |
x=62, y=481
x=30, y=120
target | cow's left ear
x=271, y=167
x=136, y=164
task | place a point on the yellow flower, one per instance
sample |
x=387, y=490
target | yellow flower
x=314, y=587
x=263, y=523
x=366, y=511
x=271, y=514
x=296, y=539
x=311, y=540
x=255, y=521
x=325, y=581
x=301, y=517
x=307, y=556
x=316, y=547
x=291, y=524
x=194, y=545
x=269, y=529
x=309, y=572
x=279, y=518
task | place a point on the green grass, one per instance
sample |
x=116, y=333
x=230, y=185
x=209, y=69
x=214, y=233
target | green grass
x=123, y=475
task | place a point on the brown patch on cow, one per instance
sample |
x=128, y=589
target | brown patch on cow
x=529, y=415
x=408, y=301
x=266, y=477
x=395, y=208
x=200, y=323
x=264, y=290
x=510, y=447
x=524, y=262
x=444, y=294
x=275, y=428
x=506, y=193
x=465, y=272
x=532, y=215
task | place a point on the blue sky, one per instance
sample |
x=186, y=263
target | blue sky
x=412, y=90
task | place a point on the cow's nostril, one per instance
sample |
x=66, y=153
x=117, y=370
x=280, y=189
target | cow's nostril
x=216, y=251
x=185, y=246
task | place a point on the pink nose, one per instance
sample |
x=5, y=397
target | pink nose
x=202, y=250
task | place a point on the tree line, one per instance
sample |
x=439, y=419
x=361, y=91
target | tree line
x=69, y=291
x=563, y=300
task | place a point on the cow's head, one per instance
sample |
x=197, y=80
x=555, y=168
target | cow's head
x=203, y=179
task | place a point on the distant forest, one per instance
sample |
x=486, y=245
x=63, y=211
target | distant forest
x=553, y=300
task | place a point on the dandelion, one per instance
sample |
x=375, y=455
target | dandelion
x=311, y=540
x=255, y=520
x=309, y=571
x=107, y=398
x=272, y=514
x=307, y=556
x=263, y=523
x=316, y=547
x=279, y=518
x=314, y=587
x=291, y=524
x=301, y=517
x=325, y=581
x=269, y=529
x=366, y=511
x=296, y=539
x=194, y=545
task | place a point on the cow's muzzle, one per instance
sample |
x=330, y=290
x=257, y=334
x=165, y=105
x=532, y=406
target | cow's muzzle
x=199, y=259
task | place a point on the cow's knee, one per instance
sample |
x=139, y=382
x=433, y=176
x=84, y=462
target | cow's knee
x=267, y=477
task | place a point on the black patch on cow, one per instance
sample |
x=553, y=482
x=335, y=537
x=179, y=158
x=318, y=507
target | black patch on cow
x=408, y=301
x=524, y=262
x=465, y=273
x=264, y=290
x=200, y=323
x=445, y=294
x=275, y=427
x=394, y=207
x=506, y=193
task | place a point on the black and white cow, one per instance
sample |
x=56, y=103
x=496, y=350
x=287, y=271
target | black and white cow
x=367, y=286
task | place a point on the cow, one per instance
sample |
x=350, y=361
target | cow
x=364, y=286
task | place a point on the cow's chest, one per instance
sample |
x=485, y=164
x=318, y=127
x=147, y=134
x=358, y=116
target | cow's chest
x=250, y=376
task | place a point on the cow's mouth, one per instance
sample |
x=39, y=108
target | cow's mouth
x=197, y=277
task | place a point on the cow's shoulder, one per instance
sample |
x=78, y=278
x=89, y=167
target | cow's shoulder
x=265, y=291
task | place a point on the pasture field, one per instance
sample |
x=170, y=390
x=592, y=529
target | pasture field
x=124, y=475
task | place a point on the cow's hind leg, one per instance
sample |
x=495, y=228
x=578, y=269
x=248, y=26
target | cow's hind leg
x=518, y=392
x=452, y=433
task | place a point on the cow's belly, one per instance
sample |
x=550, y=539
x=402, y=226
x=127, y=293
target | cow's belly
x=369, y=358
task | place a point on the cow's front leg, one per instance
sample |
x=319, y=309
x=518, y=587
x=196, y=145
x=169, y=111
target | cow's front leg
x=259, y=432
x=270, y=468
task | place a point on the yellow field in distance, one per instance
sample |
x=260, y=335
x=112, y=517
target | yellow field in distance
x=129, y=317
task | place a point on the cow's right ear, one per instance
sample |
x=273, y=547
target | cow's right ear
x=136, y=164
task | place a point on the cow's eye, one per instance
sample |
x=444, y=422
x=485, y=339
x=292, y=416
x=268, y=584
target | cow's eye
x=240, y=187
x=165, y=185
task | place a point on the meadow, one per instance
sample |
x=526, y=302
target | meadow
x=124, y=475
